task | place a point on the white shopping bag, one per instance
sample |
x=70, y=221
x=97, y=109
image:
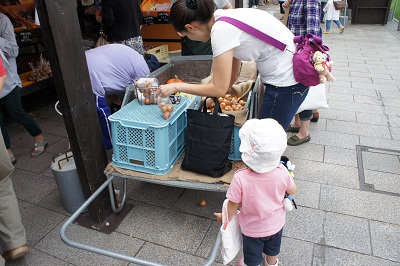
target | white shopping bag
x=316, y=99
x=231, y=235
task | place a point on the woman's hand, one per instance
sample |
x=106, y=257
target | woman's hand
x=168, y=89
x=99, y=18
x=219, y=217
x=286, y=4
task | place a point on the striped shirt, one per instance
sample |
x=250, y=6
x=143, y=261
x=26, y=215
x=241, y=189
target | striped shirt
x=304, y=17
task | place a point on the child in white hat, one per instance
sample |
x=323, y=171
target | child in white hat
x=259, y=191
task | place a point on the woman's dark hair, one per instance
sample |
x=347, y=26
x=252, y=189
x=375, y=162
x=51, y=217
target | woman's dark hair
x=187, y=11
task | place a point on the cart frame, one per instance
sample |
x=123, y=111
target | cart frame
x=181, y=184
x=108, y=183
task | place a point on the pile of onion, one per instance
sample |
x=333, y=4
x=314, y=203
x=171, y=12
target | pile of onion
x=227, y=103
x=166, y=109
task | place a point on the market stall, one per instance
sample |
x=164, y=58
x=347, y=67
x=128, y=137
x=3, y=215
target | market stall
x=33, y=67
x=157, y=29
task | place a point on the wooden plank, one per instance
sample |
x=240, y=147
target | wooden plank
x=62, y=35
x=160, y=31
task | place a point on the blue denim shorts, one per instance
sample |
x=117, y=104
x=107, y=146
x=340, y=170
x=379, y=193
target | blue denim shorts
x=253, y=248
x=282, y=103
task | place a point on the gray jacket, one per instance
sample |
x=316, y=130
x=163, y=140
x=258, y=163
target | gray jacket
x=9, y=47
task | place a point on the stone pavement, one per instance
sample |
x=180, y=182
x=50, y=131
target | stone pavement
x=348, y=197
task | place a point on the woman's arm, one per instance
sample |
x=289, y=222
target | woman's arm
x=222, y=79
x=236, y=66
x=8, y=43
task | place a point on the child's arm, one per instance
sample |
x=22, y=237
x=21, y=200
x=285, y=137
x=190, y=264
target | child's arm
x=232, y=208
x=292, y=190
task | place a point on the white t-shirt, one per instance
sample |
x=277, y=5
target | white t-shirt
x=275, y=67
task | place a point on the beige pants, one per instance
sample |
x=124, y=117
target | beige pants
x=12, y=232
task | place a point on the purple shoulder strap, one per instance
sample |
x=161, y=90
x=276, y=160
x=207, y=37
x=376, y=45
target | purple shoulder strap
x=255, y=32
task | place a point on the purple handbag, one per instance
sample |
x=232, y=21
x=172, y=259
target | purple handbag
x=303, y=67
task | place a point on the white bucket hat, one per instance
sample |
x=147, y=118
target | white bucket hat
x=263, y=142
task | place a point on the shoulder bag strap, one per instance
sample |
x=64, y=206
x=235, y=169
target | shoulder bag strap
x=256, y=33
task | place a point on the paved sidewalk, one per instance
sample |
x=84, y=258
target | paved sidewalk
x=348, y=178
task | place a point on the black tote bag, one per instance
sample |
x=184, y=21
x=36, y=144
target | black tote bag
x=208, y=141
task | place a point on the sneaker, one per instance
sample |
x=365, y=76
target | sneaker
x=16, y=253
x=341, y=29
x=326, y=32
x=254, y=6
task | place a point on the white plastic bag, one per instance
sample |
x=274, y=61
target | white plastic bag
x=316, y=99
x=231, y=235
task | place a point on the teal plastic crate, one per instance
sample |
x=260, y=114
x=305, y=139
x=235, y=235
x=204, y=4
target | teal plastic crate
x=234, y=153
x=143, y=141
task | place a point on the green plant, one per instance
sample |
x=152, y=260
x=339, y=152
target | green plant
x=395, y=5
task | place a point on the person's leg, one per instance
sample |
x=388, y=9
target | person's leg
x=337, y=22
x=12, y=232
x=252, y=251
x=4, y=132
x=272, y=248
x=323, y=4
x=103, y=112
x=296, y=124
x=341, y=28
x=303, y=135
x=12, y=103
x=282, y=103
x=272, y=260
x=327, y=27
x=281, y=7
x=282, y=10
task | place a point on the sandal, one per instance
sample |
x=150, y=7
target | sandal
x=296, y=141
x=37, y=151
x=13, y=160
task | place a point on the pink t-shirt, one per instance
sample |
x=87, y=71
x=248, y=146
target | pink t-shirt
x=260, y=196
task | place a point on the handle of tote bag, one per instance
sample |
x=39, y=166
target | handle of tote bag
x=217, y=108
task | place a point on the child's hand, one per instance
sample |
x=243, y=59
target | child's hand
x=219, y=217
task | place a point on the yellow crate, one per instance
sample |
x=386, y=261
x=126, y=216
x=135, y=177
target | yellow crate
x=160, y=51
